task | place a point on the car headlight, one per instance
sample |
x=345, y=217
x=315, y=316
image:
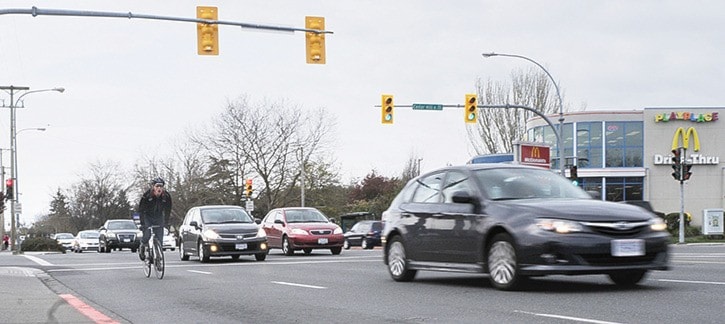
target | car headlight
x=657, y=224
x=558, y=225
x=211, y=234
x=261, y=232
x=337, y=230
x=111, y=234
x=298, y=231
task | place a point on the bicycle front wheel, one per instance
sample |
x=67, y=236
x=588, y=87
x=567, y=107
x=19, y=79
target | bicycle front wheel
x=159, y=262
x=147, y=264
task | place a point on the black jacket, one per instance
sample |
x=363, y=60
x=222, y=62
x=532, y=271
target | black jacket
x=154, y=210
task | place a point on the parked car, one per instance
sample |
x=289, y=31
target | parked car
x=365, y=234
x=214, y=231
x=302, y=228
x=64, y=239
x=85, y=241
x=119, y=234
x=169, y=240
x=515, y=222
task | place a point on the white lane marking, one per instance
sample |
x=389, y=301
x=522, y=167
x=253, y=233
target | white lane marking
x=202, y=272
x=38, y=260
x=693, y=281
x=699, y=262
x=297, y=285
x=576, y=319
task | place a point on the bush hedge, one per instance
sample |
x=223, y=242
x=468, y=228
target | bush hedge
x=41, y=244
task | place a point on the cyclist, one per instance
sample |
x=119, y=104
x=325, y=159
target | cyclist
x=154, y=210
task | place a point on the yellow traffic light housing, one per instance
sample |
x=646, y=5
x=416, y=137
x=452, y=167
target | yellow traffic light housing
x=471, y=109
x=248, y=188
x=387, y=109
x=207, y=34
x=315, y=42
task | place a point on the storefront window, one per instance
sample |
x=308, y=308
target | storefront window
x=589, y=144
x=624, y=144
x=591, y=184
x=619, y=189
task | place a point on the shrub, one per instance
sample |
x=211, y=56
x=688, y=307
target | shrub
x=41, y=244
x=673, y=222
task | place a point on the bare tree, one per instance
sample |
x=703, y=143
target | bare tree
x=498, y=128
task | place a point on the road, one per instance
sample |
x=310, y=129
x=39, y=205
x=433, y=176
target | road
x=354, y=287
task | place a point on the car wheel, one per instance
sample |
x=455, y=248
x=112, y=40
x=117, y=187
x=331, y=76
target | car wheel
x=364, y=244
x=235, y=258
x=134, y=250
x=398, y=262
x=336, y=250
x=182, y=253
x=203, y=255
x=503, y=268
x=260, y=256
x=627, y=278
x=346, y=245
x=286, y=248
x=307, y=251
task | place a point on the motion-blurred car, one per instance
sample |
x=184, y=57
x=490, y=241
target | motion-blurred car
x=64, y=239
x=119, y=234
x=214, y=231
x=365, y=234
x=302, y=228
x=515, y=222
x=169, y=240
x=85, y=241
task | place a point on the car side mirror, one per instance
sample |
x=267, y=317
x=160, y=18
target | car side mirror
x=462, y=197
x=194, y=224
x=258, y=221
x=279, y=221
x=332, y=220
x=101, y=228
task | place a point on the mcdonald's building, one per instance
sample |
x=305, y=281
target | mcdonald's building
x=627, y=155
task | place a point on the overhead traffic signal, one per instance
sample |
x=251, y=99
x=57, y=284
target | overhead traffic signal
x=471, y=109
x=315, y=42
x=387, y=109
x=207, y=34
x=9, y=192
x=248, y=188
x=677, y=164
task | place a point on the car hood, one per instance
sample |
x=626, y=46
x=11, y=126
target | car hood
x=233, y=228
x=589, y=210
x=312, y=226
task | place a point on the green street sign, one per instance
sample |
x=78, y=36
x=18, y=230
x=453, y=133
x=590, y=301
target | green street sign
x=427, y=107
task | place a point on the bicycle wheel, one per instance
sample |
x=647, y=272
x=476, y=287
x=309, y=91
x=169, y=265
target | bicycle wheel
x=159, y=262
x=147, y=264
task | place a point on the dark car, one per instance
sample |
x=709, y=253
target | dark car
x=117, y=234
x=302, y=228
x=515, y=222
x=365, y=234
x=221, y=230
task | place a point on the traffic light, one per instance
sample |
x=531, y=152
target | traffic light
x=686, y=173
x=315, y=42
x=677, y=164
x=387, y=109
x=207, y=34
x=471, y=109
x=248, y=188
x=573, y=176
x=9, y=189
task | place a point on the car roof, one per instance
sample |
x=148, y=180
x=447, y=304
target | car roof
x=220, y=206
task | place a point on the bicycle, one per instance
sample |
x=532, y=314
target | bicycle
x=154, y=252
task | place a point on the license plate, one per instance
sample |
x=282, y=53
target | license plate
x=624, y=248
x=241, y=246
x=127, y=240
x=322, y=241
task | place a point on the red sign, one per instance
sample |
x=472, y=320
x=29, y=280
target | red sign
x=535, y=155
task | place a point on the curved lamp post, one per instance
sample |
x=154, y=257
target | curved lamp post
x=13, y=151
x=560, y=137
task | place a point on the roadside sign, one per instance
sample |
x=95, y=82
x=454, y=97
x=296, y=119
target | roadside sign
x=427, y=106
x=250, y=205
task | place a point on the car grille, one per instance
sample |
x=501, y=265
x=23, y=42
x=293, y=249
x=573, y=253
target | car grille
x=122, y=237
x=232, y=247
x=609, y=260
x=236, y=236
x=321, y=232
x=619, y=229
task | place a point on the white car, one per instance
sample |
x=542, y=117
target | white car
x=64, y=239
x=85, y=241
x=169, y=240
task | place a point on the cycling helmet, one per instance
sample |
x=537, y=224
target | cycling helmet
x=158, y=180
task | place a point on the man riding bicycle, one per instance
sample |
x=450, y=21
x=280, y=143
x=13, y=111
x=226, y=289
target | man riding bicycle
x=154, y=210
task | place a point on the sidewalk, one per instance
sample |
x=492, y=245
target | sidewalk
x=26, y=298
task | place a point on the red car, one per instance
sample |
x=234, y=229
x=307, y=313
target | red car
x=302, y=228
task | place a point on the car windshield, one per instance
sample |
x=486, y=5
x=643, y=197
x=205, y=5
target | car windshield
x=516, y=183
x=223, y=216
x=305, y=216
x=63, y=236
x=122, y=225
x=89, y=235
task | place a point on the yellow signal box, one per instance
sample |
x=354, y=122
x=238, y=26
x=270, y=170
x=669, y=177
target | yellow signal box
x=387, y=109
x=207, y=34
x=471, y=109
x=315, y=42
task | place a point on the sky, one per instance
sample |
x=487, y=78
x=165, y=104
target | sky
x=134, y=86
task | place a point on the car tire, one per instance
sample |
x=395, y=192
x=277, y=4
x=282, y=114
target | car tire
x=307, y=251
x=627, y=278
x=286, y=247
x=260, y=256
x=336, y=250
x=364, y=244
x=398, y=261
x=203, y=254
x=134, y=250
x=503, y=266
x=182, y=253
x=346, y=245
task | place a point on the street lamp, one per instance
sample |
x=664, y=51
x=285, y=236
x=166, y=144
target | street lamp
x=560, y=137
x=13, y=152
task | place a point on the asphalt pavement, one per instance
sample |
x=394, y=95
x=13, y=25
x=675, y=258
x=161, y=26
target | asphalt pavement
x=26, y=296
